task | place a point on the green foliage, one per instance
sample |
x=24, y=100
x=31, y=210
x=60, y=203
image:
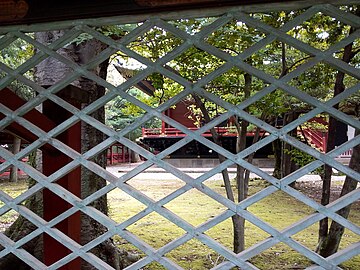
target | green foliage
x=121, y=113
x=14, y=55
x=301, y=159
x=114, y=31
x=233, y=38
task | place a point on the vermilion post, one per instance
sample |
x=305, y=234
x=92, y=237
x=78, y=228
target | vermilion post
x=53, y=204
x=52, y=161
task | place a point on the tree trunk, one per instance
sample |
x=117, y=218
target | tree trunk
x=236, y=220
x=250, y=159
x=241, y=182
x=16, y=149
x=331, y=242
x=287, y=164
x=49, y=72
x=330, y=145
x=277, y=156
x=241, y=185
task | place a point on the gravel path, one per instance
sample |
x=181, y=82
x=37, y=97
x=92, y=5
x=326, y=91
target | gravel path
x=159, y=173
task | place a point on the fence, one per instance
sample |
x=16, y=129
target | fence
x=263, y=36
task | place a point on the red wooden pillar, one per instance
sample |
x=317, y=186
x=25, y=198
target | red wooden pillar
x=111, y=155
x=53, y=204
x=52, y=161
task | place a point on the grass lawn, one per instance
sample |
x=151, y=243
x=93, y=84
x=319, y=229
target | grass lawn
x=279, y=210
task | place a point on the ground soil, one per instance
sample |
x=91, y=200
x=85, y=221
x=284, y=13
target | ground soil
x=313, y=190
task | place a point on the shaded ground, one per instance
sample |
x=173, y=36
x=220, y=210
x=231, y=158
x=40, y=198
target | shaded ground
x=313, y=190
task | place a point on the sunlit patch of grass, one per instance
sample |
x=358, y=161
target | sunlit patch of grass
x=12, y=189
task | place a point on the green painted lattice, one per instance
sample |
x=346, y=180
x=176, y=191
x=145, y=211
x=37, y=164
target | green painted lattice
x=227, y=62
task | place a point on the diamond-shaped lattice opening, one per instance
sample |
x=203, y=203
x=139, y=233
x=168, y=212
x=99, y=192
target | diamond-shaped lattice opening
x=59, y=245
x=223, y=233
x=195, y=64
x=47, y=38
x=193, y=26
x=277, y=19
x=280, y=215
x=216, y=182
x=295, y=159
x=235, y=37
x=166, y=231
x=18, y=87
x=7, y=219
x=192, y=205
x=65, y=40
x=213, y=180
x=235, y=85
x=348, y=106
x=258, y=184
x=343, y=55
x=94, y=227
x=13, y=189
x=353, y=262
x=311, y=184
x=151, y=91
x=278, y=59
x=124, y=65
x=320, y=31
x=156, y=183
x=319, y=80
x=115, y=246
x=354, y=210
x=126, y=246
x=53, y=166
x=199, y=152
x=122, y=206
x=253, y=234
x=155, y=265
x=309, y=236
x=159, y=135
x=137, y=145
x=155, y=43
x=194, y=255
x=281, y=254
x=11, y=259
x=278, y=108
x=16, y=53
x=46, y=78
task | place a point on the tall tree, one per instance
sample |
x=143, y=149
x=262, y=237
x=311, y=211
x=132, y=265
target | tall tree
x=13, y=177
x=49, y=72
x=330, y=236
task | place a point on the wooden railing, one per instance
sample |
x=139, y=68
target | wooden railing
x=174, y=132
x=316, y=138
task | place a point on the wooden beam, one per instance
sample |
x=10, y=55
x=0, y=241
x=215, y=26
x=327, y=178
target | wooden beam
x=13, y=102
x=38, y=11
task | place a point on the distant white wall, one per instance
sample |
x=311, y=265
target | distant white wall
x=350, y=132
